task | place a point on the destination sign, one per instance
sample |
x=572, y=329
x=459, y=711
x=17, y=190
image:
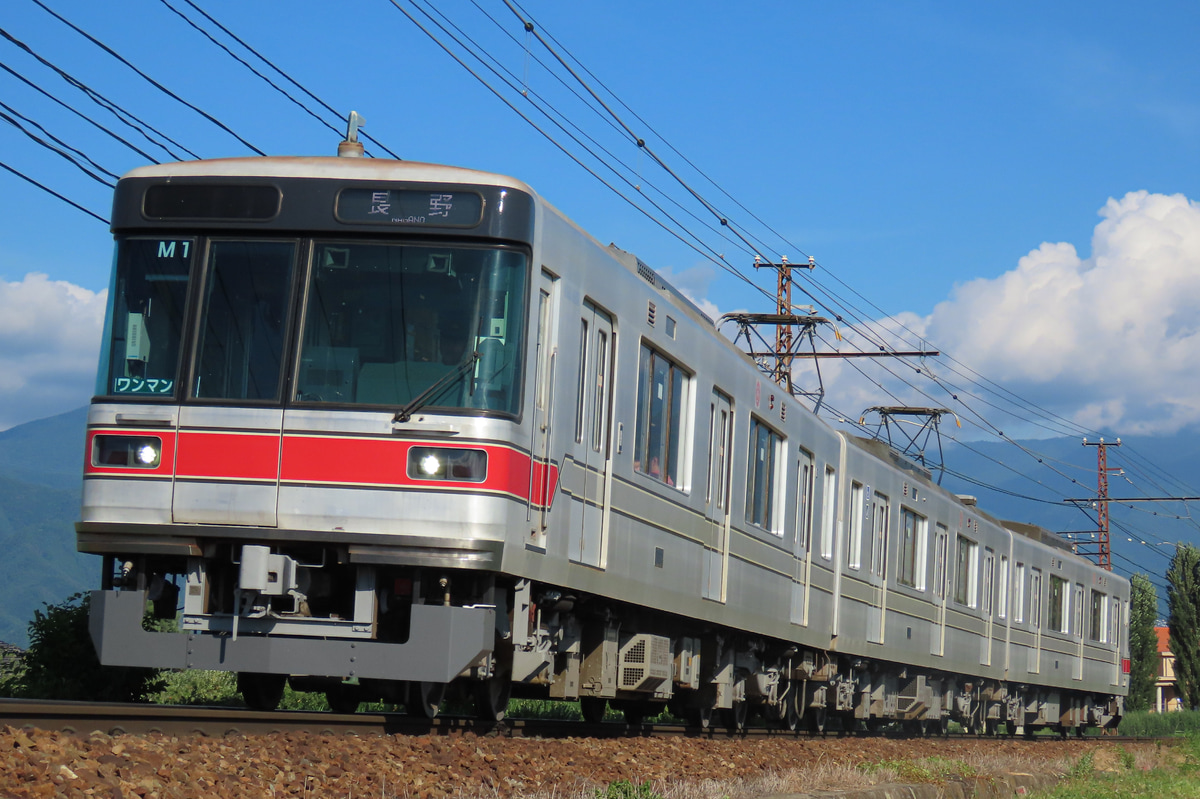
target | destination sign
x=410, y=207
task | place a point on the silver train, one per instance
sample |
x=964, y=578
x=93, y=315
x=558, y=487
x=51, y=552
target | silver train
x=401, y=431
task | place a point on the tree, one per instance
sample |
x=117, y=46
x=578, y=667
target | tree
x=61, y=663
x=1143, y=643
x=1183, y=601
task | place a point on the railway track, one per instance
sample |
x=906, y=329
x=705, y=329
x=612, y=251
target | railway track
x=82, y=718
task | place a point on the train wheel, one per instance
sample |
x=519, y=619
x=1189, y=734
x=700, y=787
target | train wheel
x=342, y=699
x=261, y=691
x=700, y=717
x=790, y=719
x=636, y=712
x=492, y=694
x=735, y=717
x=425, y=698
x=816, y=720
x=593, y=708
x=491, y=697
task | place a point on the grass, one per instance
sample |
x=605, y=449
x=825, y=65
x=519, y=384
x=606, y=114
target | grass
x=1156, y=725
x=929, y=769
x=1124, y=777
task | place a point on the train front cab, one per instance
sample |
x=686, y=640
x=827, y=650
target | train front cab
x=307, y=424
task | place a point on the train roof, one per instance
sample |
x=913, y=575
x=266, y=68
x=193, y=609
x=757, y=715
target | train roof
x=331, y=167
x=884, y=452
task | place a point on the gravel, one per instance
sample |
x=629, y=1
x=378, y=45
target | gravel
x=36, y=763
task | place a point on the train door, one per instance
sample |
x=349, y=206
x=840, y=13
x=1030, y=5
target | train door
x=592, y=432
x=1035, y=620
x=540, y=484
x=802, y=545
x=1114, y=639
x=227, y=456
x=989, y=572
x=941, y=544
x=1077, y=620
x=877, y=574
x=716, y=507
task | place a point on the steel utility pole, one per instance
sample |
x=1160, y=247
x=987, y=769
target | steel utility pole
x=1103, y=553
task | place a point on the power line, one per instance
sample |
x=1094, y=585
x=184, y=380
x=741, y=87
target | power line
x=99, y=99
x=51, y=191
x=286, y=76
x=146, y=77
x=84, y=117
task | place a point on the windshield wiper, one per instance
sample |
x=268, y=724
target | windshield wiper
x=418, y=402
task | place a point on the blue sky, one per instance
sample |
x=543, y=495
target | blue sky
x=1016, y=182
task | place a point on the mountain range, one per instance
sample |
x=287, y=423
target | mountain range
x=41, y=461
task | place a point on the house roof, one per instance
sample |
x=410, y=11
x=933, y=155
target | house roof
x=1164, y=638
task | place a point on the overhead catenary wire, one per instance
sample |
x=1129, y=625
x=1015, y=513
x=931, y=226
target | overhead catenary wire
x=116, y=137
x=146, y=77
x=125, y=117
x=52, y=192
x=362, y=133
x=59, y=147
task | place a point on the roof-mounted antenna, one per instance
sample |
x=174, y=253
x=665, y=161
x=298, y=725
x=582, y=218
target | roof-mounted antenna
x=352, y=147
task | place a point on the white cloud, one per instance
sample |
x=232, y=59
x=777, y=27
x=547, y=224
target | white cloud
x=1110, y=341
x=49, y=342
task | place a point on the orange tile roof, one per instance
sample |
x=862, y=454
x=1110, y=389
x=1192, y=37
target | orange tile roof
x=1164, y=638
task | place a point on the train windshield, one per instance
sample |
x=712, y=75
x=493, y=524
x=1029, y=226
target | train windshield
x=399, y=325
x=147, y=300
x=384, y=324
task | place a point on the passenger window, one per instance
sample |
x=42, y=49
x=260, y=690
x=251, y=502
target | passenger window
x=939, y=561
x=965, y=575
x=661, y=450
x=913, y=534
x=828, y=502
x=581, y=389
x=766, y=449
x=1060, y=604
x=859, y=502
x=804, y=519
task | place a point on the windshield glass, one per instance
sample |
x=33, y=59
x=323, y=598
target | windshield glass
x=385, y=322
x=242, y=328
x=145, y=318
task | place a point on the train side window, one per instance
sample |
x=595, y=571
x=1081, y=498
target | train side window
x=1060, y=604
x=1098, y=626
x=1114, y=624
x=766, y=450
x=600, y=391
x=989, y=581
x=913, y=532
x=858, y=510
x=581, y=392
x=804, y=520
x=966, y=574
x=1002, y=587
x=941, y=544
x=879, y=536
x=828, y=515
x=1035, y=597
x=664, y=389
x=1019, y=594
x=1077, y=627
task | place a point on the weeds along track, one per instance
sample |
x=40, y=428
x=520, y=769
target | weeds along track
x=80, y=718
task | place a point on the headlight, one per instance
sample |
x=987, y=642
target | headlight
x=443, y=463
x=143, y=452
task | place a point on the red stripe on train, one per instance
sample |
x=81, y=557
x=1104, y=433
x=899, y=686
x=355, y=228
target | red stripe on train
x=329, y=460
